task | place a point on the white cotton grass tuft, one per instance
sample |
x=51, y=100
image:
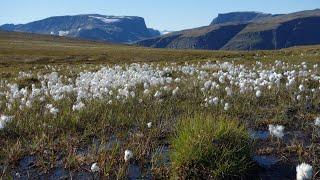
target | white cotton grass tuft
x=226, y=106
x=18, y=175
x=258, y=93
x=317, y=121
x=177, y=80
x=53, y=110
x=157, y=94
x=77, y=107
x=175, y=91
x=4, y=120
x=149, y=124
x=207, y=85
x=229, y=91
x=276, y=131
x=299, y=97
x=146, y=91
x=213, y=101
x=128, y=155
x=95, y=167
x=304, y=171
x=302, y=88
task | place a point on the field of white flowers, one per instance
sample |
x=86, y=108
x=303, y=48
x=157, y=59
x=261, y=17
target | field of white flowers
x=125, y=120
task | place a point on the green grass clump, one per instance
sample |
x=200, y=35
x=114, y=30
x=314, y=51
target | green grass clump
x=210, y=147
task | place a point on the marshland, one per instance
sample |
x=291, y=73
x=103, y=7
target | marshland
x=88, y=110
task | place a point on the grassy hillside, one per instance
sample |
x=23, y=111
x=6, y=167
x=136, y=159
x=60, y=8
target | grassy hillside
x=23, y=48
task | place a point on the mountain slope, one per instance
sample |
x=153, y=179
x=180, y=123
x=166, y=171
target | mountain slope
x=239, y=17
x=122, y=29
x=246, y=31
x=209, y=37
x=284, y=31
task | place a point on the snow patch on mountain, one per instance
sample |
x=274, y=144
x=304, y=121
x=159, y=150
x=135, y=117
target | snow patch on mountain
x=106, y=20
x=63, y=33
x=164, y=32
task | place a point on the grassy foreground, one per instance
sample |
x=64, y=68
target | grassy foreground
x=183, y=124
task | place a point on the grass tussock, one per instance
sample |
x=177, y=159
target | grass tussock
x=210, y=147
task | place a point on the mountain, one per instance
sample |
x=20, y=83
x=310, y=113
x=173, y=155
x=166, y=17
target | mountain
x=120, y=29
x=246, y=31
x=239, y=17
x=301, y=28
x=210, y=37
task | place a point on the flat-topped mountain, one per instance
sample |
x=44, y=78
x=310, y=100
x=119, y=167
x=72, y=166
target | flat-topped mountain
x=240, y=17
x=246, y=31
x=121, y=29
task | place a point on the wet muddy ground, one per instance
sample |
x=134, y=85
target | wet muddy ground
x=269, y=167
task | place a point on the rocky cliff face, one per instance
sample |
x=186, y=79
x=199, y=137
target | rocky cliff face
x=246, y=31
x=122, y=29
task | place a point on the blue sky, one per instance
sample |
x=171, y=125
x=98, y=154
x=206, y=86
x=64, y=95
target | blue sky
x=164, y=14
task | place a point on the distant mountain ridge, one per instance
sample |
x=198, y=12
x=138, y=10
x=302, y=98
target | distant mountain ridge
x=240, y=17
x=246, y=31
x=120, y=29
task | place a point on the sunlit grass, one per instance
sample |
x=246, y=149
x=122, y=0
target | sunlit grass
x=212, y=147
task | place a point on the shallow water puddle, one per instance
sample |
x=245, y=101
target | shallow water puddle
x=290, y=137
x=259, y=135
x=113, y=142
x=134, y=172
x=83, y=176
x=278, y=172
x=27, y=162
x=161, y=156
x=60, y=173
x=272, y=169
x=266, y=161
